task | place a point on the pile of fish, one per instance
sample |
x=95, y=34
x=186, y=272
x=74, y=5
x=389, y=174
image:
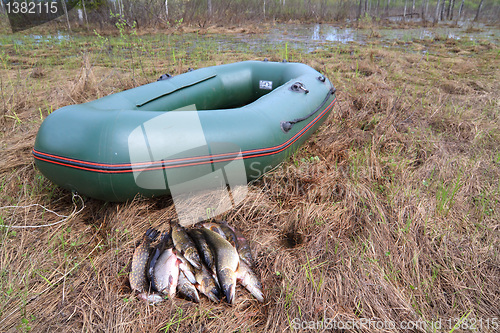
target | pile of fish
x=209, y=258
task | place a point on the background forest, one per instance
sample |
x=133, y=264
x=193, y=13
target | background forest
x=158, y=13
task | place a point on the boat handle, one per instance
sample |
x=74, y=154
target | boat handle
x=287, y=125
x=298, y=86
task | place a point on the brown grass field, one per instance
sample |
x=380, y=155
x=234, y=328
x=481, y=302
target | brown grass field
x=390, y=212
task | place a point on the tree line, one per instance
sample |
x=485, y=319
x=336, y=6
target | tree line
x=443, y=10
x=154, y=13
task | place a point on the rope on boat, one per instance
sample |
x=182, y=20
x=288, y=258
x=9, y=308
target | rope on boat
x=65, y=217
x=287, y=125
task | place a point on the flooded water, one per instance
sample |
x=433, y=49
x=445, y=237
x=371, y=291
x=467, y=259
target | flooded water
x=309, y=37
x=313, y=36
x=58, y=37
x=316, y=34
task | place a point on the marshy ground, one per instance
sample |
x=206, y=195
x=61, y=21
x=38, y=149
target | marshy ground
x=390, y=212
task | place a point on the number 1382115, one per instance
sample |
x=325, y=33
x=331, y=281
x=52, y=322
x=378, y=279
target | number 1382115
x=28, y=7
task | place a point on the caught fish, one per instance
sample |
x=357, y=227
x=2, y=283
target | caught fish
x=185, y=245
x=226, y=262
x=138, y=277
x=230, y=234
x=248, y=279
x=203, y=248
x=215, y=228
x=165, y=241
x=166, y=273
x=243, y=247
x=235, y=237
x=206, y=284
x=223, y=229
x=186, y=268
x=187, y=289
x=210, y=260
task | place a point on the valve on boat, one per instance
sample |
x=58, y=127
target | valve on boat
x=286, y=126
x=165, y=77
x=322, y=78
x=298, y=86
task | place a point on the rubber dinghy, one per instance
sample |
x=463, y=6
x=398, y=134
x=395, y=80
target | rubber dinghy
x=166, y=134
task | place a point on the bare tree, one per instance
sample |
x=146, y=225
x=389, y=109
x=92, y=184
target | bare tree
x=425, y=5
x=436, y=16
x=450, y=12
x=85, y=13
x=387, y=7
x=66, y=14
x=404, y=10
x=478, y=10
x=120, y=6
x=460, y=9
x=442, y=9
x=360, y=8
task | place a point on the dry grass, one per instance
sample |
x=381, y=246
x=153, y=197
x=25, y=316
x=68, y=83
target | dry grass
x=390, y=212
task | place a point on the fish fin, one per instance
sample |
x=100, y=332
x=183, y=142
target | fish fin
x=154, y=258
x=152, y=233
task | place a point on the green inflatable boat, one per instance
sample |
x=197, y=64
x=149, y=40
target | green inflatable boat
x=235, y=121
